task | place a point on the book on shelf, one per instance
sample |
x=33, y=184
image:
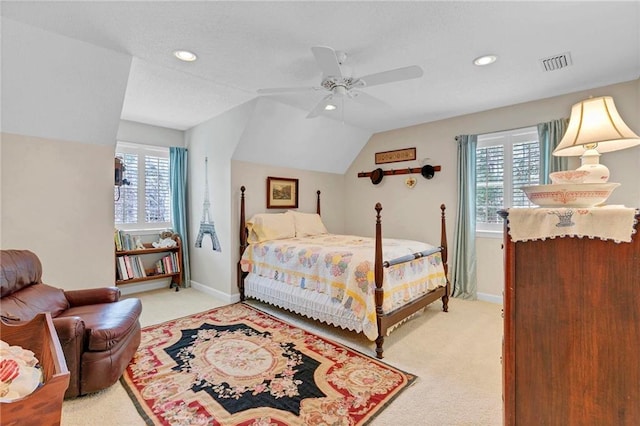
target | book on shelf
x=127, y=262
x=122, y=269
x=117, y=240
x=141, y=270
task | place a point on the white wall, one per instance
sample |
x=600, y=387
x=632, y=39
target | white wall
x=223, y=140
x=253, y=177
x=413, y=213
x=131, y=131
x=61, y=103
x=281, y=135
x=216, y=140
x=57, y=201
x=60, y=88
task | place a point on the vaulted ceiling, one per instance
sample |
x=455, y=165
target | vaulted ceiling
x=246, y=46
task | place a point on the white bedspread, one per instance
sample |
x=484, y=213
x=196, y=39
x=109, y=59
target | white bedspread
x=341, y=267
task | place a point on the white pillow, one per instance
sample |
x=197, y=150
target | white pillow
x=270, y=226
x=307, y=224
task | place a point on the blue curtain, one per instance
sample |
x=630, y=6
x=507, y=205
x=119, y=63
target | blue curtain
x=463, y=271
x=549, y=136
x=178, y=182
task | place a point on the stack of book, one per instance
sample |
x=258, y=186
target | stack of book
x=124, y=241
x=168, y=264
x=130, y=267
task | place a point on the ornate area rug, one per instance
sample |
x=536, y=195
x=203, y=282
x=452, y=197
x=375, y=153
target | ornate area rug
x=236, y=365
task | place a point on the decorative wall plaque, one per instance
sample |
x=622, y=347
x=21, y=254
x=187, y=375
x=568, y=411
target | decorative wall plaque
x=405, y=154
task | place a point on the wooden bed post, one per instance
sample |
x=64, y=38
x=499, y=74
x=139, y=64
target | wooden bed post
x=318, y=202
x=379, y=277
x=444, y=253
x=243, y=244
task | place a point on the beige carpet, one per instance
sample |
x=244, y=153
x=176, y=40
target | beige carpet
x=456, y=356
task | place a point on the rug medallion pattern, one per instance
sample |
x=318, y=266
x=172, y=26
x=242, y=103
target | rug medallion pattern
x=236, y=365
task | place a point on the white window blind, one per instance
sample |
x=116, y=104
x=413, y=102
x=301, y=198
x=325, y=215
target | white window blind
x=146, y=202
x=505, y=162
x=489, y=183
x=157, y=192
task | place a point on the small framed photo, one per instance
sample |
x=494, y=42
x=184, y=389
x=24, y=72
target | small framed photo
x=282, y=193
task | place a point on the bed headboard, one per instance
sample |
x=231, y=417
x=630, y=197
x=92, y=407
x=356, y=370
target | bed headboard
x=243, y=221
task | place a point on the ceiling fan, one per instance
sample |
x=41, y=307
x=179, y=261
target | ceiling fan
x=341, y=85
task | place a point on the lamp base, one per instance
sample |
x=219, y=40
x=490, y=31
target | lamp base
x=598, y=173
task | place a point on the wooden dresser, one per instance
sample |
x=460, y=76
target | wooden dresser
x=571, y=350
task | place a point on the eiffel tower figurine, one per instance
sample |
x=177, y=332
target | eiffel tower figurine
x=206, y=224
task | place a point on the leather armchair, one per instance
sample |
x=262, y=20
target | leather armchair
x=98, y=332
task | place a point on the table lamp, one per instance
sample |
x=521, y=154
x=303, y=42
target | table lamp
x=595, y=127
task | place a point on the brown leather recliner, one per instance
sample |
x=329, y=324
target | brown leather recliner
x=98, y=332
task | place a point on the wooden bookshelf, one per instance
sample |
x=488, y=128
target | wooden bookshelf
x=176, y=277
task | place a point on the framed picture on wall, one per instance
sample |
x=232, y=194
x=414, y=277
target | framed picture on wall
x=282, y=193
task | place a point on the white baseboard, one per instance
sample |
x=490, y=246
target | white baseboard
x=224, y=297
x=233, y=298
x=140, y=287
x=492, y=298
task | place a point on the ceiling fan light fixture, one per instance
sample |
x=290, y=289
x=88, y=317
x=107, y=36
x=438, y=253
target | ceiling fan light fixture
x=338, y=83
x=185, y=55
x=484, y=60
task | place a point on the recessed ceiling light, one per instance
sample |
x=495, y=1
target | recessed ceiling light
x=329, y=107
x=485, y=60
x=185, y=55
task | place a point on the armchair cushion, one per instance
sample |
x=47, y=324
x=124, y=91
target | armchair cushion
x=20, y=268
x=25, y=304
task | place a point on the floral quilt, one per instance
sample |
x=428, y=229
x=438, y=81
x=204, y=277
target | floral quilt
x=342, y=267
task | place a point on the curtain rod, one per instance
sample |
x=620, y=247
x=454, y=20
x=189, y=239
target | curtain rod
x=515, y=128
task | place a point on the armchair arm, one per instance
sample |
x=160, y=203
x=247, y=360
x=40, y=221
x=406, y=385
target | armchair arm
x=68, y=329
x=92, y=296
x=71, y=335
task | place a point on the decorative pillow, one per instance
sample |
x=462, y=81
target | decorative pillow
x=308, y=224
x=270, y=226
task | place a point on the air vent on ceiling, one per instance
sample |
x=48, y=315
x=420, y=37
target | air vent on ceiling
x=556, y=62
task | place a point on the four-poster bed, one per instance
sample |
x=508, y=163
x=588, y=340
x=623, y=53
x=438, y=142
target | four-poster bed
x=303, y=271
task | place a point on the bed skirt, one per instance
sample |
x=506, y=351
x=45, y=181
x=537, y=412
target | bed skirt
x=314, y=305
x=311, y=304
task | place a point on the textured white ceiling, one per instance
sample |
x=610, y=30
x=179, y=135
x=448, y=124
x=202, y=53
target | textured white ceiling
x=245, y=46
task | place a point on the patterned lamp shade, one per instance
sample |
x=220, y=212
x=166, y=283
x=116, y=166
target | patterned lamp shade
x=595, y=124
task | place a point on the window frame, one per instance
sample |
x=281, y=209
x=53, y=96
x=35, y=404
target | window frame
x=507, y=139
x=141, y=150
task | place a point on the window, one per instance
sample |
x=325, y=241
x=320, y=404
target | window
x=505, y=162
x=145, y=202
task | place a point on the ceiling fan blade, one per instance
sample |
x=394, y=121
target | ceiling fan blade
x=367, y=99
x=391, y=76
x=328, y=61
x=320, y=107
x=276, y=90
